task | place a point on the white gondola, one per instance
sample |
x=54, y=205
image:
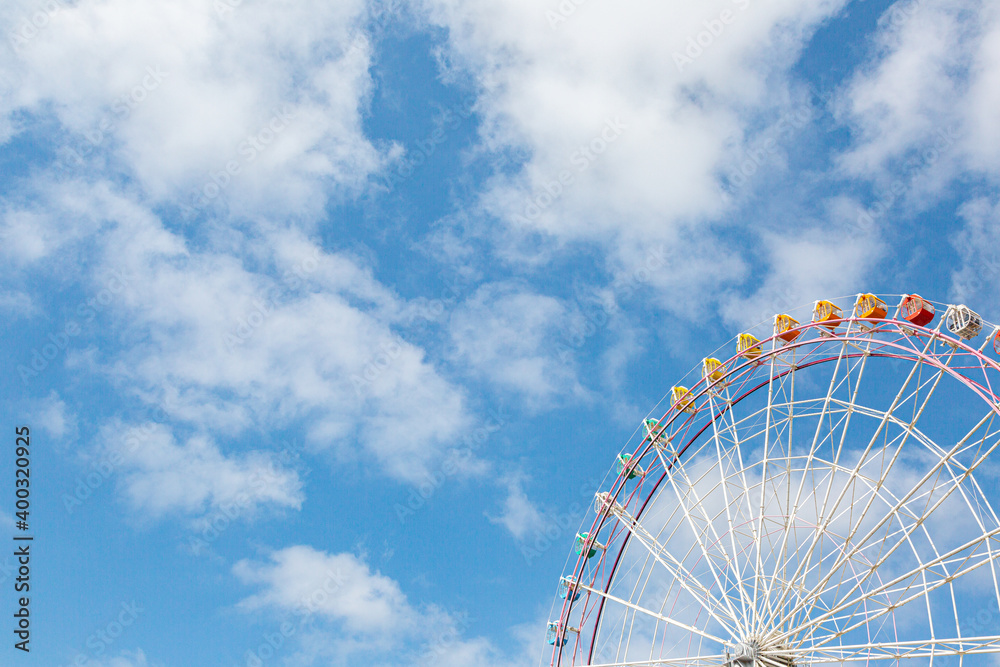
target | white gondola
x=963, y=322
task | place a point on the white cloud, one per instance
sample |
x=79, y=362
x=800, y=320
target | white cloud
x=171, y=91
x=937, y=70
x=17, y=304
x=52, y=415
x=519, y=515
x=32, y=233
x=266, y=331
x=340, y=587
x=810, y=264
x=925, y=116
x=231, y=348
x=975, y=277
x=372, y=619
x=160, y=475
x=640, y=138
x=517, y=339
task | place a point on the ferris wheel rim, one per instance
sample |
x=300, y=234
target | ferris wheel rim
x=909, y=354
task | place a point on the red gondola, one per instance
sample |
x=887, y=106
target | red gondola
x=916, y=310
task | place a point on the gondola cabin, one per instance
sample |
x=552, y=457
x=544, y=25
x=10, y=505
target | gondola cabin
x=585, y=546
x=569, y=589
x=827, y=314
x=870, y=307
x=784, y=328
x=622, y=465
x=916, y=310
x=713, y=371
x=555, y=635
x=963, y=322
x=748, y=347
x=654, y=433
x=682, y=400
x=996, y=341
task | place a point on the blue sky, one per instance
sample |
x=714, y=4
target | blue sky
x=364, y=297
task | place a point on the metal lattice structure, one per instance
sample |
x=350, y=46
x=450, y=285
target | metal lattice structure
x=821, y=496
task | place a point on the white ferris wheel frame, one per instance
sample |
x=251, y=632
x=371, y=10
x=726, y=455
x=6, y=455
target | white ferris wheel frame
x=858, y=339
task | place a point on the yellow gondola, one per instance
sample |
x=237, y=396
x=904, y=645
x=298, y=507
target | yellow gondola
x=713, y=371
x=683, y=401
x=827, y=314
x=748, y=346
x=869, y=307
x=784, y=328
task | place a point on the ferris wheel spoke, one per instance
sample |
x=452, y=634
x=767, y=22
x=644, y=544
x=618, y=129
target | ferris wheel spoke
x=825, y=512
x=995, y=521
x=827, y=518
x=897, y=650
x=693, y=661
x=898, y=510
x=950, y=577
x=684, y=578
x=836, y=382
x=871, y=567
x=849, y=606
x=952, y=556
x=758, y=599
x=698, y=532
x=652, y=614
x=909, y=522
x=887, y=418
x=728, y=503
x=754, y=536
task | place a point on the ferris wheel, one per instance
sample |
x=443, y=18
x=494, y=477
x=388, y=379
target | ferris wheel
x=824, y=495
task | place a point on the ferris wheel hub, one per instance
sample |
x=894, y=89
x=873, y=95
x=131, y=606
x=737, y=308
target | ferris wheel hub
x=750, y=653
x=747, y=651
